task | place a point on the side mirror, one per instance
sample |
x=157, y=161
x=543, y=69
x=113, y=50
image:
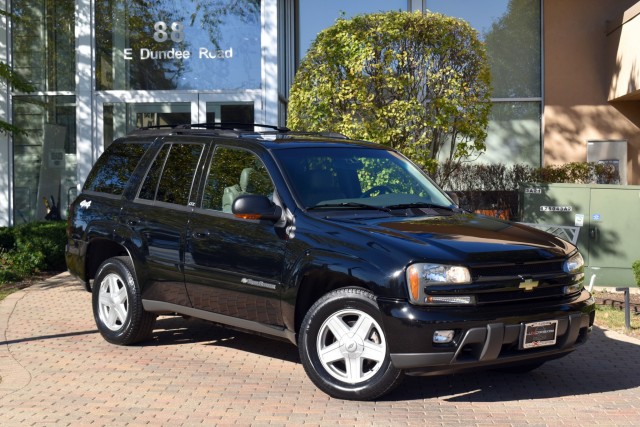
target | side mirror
x=252, y=206
x=454, y=196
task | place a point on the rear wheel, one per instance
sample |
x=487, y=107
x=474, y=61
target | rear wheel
x=343, y=347
x=117, y=304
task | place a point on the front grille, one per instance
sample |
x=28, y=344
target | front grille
x=518, y=269
x=511, y=283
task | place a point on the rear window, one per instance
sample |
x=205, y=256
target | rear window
x=114, y=168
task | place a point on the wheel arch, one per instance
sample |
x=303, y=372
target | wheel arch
x=98, y=251
x=322, y=272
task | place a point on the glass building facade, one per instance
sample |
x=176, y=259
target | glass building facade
x=104, y=67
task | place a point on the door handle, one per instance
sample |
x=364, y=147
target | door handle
x=593, y=233
x=132, y=222
x=201, y=234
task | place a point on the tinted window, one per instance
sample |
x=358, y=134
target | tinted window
x=358, y=175
x=114, y=168
x=178, y=173
x=233, y=173
x=171, y=175
x=150, y=184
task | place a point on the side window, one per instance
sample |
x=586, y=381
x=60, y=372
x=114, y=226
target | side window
x=234, y=172
x=150, y=184
x=114, y=168
x=171, y=175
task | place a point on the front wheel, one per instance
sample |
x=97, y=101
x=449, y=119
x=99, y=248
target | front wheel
x=117, y=304
x=343, y=347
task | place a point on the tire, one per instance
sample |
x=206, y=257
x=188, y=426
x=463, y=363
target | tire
x=343, y=347
x=117, y=304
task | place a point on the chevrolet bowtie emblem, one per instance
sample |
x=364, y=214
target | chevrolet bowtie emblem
x=528, y=285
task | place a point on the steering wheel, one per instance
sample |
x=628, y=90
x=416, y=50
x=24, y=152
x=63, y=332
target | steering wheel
x=380, y=189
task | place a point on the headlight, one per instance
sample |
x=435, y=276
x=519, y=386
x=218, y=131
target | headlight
x=574, y=265
x=420, y=276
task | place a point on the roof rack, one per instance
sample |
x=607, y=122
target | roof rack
x=243, y=129
x=237, y=126
x=325, y=134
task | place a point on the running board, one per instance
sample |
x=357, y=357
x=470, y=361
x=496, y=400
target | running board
x=165, y=307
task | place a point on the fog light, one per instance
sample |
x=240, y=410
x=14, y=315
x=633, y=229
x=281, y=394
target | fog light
x=443, y=337
x=572, y=289
x=449, y=300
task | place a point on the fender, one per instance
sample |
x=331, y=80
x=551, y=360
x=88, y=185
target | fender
x=317, y=272
x=135, y=247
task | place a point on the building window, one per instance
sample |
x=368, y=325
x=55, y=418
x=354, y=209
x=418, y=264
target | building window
x=43, y=43
x=511, y=30
x=315, y=16
x=186, y=44
x=45, y=158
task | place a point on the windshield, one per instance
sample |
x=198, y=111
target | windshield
x=356, y=177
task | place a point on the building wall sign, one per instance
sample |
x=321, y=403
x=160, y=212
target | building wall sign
x=184, y=44
x=161, y=34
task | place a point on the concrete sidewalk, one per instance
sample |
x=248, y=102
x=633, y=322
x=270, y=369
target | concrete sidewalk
x=57, y=370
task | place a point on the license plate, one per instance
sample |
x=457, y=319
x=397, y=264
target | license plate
x=540, y=334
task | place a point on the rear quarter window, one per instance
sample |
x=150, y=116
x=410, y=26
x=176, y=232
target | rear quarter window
x=113, y=169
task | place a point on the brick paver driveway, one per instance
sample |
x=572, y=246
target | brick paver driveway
x=57, y=370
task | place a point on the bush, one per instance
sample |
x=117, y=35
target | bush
x=494, y=189
x=31, y=247
x=636, y=271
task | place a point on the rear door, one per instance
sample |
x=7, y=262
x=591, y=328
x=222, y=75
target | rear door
x=158, y=217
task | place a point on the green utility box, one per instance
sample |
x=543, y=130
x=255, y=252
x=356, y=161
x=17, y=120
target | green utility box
x=604, y=219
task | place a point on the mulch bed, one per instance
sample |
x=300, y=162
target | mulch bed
x=616, y=300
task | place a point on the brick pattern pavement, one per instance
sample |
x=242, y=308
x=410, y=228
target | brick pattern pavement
x=57, y=370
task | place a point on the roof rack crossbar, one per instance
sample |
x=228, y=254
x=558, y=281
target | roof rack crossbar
x=232, y=126
x=221, y=125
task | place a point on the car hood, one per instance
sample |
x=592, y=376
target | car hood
x=461, y=237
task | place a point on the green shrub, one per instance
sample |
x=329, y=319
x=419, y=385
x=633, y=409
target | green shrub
x=32, y=247
x=483, y=187
x=636, y=271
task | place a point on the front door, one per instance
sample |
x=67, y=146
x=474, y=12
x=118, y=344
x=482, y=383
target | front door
x=234, y=266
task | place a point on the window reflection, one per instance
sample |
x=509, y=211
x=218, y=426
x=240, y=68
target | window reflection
x=183, y=44
x=315, y=15
x=114, y=168
x=178, y=174
x=233, y=173
x=513, y=134
x=511, y=31
x=171, y=175
x=43, y=43
x=45, y=158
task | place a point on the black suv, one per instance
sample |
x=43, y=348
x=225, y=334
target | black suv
x=342, y=247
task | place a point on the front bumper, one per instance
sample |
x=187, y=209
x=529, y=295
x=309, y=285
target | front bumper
x=484, y=337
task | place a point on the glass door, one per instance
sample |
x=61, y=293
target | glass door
x=236, y=108
x=119, y=114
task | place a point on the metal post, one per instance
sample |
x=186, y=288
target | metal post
x=627, y=308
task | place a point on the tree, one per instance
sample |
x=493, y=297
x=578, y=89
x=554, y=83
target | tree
x=416, y=82
x=8, y=78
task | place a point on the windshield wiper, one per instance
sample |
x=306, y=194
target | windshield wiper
x=419, y=205
x=351, y=205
